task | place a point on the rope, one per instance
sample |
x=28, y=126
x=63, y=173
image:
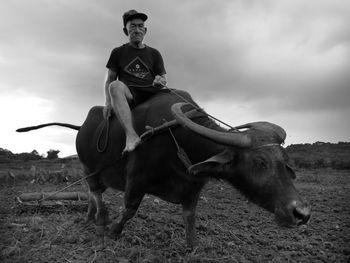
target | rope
x=78, y=181
x=104, y=147
x=181, y=153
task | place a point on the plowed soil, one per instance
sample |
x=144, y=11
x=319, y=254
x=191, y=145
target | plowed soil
x=229, y=228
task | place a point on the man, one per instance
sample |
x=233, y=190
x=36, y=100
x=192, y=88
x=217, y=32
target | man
x=135, y=73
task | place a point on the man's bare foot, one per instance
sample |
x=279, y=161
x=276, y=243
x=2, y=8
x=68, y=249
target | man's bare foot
x=131, y=143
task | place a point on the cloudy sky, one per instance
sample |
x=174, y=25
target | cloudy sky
x=286, y=62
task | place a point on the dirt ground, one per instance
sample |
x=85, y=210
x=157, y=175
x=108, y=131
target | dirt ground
x=229, y=228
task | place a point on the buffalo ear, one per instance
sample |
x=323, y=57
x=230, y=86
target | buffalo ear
x=290, y=171
x=212, y=165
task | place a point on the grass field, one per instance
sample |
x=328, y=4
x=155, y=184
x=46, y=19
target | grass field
x=229, y=228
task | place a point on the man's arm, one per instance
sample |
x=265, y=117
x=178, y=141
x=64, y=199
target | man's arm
x=110, y=77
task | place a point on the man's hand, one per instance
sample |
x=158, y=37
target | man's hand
x=107, y=110
x=159, y=81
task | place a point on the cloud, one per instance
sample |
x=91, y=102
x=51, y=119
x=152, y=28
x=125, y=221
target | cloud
x=269, y=53
x=258, y=58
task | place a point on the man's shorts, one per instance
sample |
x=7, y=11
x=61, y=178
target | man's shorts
x=142, y=94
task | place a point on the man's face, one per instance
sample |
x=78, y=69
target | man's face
x=136, y=30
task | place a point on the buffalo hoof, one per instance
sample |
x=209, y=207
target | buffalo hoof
x=115, y=231
x=89, y=220
x=108, y=221
x=191, y=248
x=99, y=244
x=100, y=230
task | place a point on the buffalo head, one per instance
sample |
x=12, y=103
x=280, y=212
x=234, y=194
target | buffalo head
x=255, y=163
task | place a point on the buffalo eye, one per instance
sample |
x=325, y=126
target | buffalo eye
x=260, y=163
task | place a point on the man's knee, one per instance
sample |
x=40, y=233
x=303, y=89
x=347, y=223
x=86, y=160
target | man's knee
x=117, y=87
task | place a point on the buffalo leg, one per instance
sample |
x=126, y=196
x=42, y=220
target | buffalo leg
x=93, y=184
x=91, y=209
x=97, y=211
x=189, y=216
x=132, y=200
x=101, y=215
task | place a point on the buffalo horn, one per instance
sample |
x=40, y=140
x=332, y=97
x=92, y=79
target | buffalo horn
x=236, y=139
x=265, y=126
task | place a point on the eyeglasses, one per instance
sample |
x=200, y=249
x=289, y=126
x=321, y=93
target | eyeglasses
x=134, y=26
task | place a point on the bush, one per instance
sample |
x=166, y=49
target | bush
x=52, y=154
x=320, y=155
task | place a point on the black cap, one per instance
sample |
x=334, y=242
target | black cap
x=131, y=14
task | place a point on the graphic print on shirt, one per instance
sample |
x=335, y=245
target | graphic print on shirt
x=137, y=68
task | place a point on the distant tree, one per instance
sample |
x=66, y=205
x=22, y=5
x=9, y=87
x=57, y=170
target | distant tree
x=297, y=161
x=5, y=155
x=34, y=152
x=52, y=154
x=4, y=152
x=305, y=164
x=340, y=165
x=318, y=143
x=320, y=163
x=34, y=155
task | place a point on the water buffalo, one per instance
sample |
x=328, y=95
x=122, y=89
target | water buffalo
x=250, y=158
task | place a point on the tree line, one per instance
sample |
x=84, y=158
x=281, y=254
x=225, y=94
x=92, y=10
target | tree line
x=320, y=155
x=8, y=156
x=308, y=156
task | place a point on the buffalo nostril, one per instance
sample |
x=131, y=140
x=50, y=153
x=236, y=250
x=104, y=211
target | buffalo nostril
x=302, y=215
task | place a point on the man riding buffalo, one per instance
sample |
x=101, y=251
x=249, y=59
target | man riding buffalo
x=135, y=72
x=250, y=157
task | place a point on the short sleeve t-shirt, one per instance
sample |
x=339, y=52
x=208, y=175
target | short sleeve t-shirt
x=136, y=67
